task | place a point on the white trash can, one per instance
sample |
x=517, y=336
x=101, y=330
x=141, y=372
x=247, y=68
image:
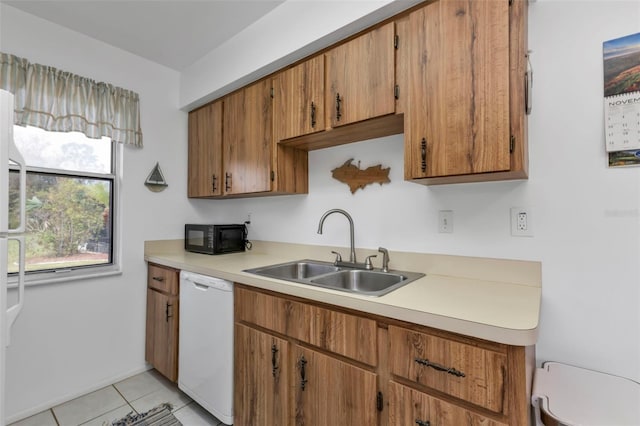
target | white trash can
x=576, y=396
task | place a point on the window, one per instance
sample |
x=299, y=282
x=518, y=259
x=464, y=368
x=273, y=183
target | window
x=71, y=187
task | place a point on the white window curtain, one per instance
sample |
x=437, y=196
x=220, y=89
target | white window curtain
x=60, y=101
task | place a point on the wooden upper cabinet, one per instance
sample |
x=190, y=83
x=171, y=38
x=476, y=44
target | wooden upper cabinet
x=247, y=140
x=458, y=113
x=360, y=77
x=298, y=100
x=205, y=151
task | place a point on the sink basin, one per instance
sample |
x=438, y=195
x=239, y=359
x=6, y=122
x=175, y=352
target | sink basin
x=295, y=270
x=327, y=275
x=360, y=281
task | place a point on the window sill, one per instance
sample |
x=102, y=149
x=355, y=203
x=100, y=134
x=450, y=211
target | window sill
x=64, y=276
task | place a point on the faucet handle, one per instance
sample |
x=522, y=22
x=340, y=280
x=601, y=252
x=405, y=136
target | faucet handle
x=338, y=257
x=367, y=263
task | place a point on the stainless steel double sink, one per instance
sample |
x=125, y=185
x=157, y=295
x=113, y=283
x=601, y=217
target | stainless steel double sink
x=324, y=274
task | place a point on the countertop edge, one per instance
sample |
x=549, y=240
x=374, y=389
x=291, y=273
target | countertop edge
x=509, y=336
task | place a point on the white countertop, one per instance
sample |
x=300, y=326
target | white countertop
x=492, y=299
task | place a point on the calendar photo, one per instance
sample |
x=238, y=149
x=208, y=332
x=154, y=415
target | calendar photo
x=622, y=65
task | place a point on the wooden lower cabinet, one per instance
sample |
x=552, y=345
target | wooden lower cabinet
x=300, y=362
x=161, y=347
x=332, y=392
x=411, y=407
x=261, y=378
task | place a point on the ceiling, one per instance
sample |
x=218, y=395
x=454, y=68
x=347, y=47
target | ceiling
x=174, y=33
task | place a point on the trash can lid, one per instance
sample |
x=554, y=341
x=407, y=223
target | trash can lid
x=578, y=396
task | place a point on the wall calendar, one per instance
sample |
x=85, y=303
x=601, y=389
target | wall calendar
x=622, y=99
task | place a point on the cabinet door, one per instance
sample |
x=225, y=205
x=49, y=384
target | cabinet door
x=410, y=407
x=332, y=392
x=205, y=151
x=261, y=378
x=247, y=140
x=161, y=348
x=360, y=77
x=457, y=121
x=298, y=101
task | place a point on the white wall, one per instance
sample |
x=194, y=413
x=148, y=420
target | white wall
x=585, y=216
x=72, y=337
x=293, y=30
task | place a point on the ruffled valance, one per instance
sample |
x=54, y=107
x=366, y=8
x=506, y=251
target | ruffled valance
x=60, y=101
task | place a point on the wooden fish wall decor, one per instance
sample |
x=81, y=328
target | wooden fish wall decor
x=358, y=178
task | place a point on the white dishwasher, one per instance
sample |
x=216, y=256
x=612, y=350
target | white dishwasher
x=205, y=357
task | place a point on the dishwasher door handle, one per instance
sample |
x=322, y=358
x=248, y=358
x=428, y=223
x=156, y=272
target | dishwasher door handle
x=200, y=286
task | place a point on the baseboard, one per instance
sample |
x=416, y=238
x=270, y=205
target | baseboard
x=61, y=400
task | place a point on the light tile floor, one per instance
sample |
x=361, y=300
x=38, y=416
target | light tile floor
x=138, y=393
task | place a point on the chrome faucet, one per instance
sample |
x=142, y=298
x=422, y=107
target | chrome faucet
x=352, y=255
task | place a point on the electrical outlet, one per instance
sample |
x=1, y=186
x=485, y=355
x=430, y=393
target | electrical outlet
x=521, y=224
x=445, y=221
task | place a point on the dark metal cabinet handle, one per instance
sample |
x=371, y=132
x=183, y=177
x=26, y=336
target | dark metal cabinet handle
x=423, y=154
x=274, y=367
x=227, y=181
x=303, y=379
x=423, y=422
x=338, y=107
x=166, y=312
x=160, y=279
x=313, y=115
x=214, y=179
x=439, y=367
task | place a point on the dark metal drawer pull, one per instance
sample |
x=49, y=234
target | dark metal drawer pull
x=422, y=422
x=313, y=115
x=423, y=155
x=303, y=379
x=274, y=367
x=158, y=278
x=439, y=367
x=166, y=312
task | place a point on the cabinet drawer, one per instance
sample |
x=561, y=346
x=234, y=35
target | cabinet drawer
x=348, y=335
x=465, y=371
x=410, y=407
x=163, y=279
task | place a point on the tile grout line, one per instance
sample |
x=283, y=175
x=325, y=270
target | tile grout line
x=55, y=419
x=125, y=399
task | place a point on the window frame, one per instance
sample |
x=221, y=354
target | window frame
x=51, y=276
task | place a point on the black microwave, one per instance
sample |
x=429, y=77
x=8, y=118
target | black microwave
x=214, y=239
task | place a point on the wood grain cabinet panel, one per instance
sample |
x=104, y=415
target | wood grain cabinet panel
x=247, y=140
x=161, y=341
x=348, y=335
x=205, y=176
x=464, y=371
x=332, y=392
x=298, y=100
x=410, y=407
x=261, y=377
x=458, y=114
x=360, y=77
x=163, y=279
